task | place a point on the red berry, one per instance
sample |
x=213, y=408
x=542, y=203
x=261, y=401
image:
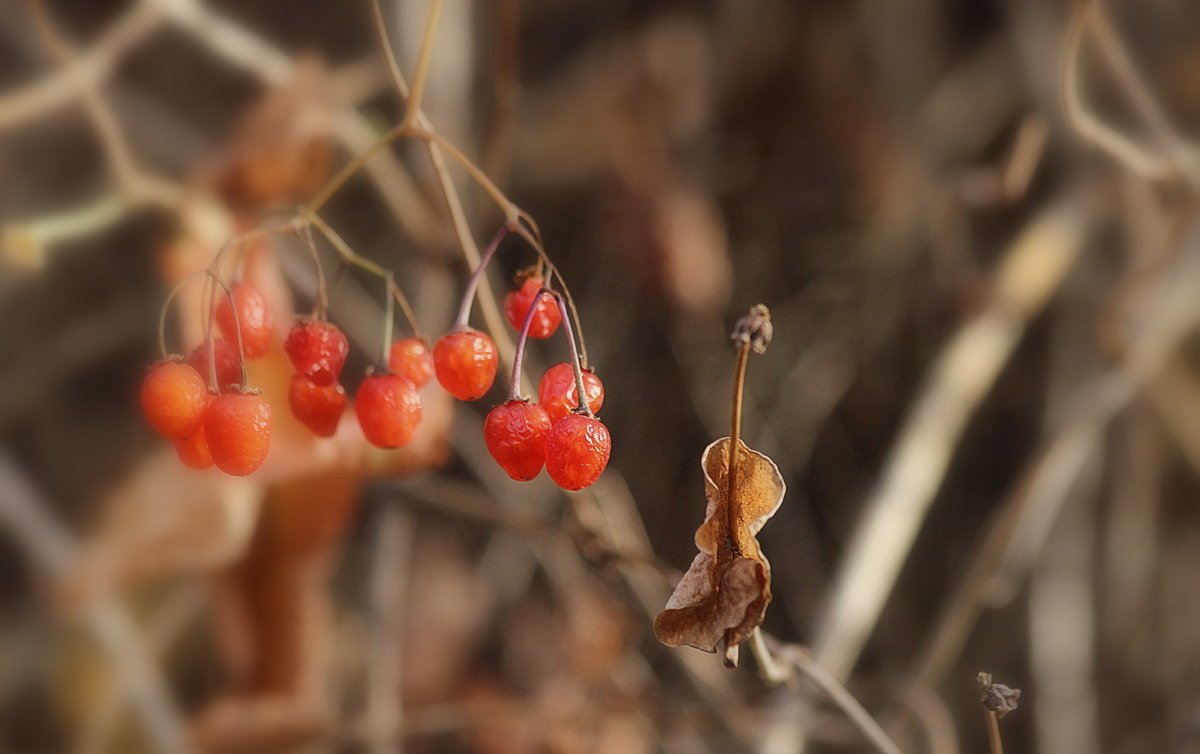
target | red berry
x=253, y=315
x=173, y=399
x=577, y=449
x=410, y=358
x=318, y=407
x=516, y=307
x=465, y=363
x=238, y=429
x=556, y=391
x=388, y=409
x=515, y=433
x=193, y=450
x=317, y=350
x=229, y=368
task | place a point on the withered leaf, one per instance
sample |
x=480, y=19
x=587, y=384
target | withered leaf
x=725, y=593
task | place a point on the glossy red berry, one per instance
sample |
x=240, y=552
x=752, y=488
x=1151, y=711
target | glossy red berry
x=317, y=350
x=557, y=392
x=173, y=399
x=515, y=434
x=253, y=315
x=546, y=316
x=577, y=450
x=193, y=450
x=465, y=363
x=388, y=409
x=229, y=368
x=238, y=429
x=410, y=358
x=318, y=407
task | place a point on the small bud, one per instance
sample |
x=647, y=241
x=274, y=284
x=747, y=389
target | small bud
x=754, y=329
x=997, y=697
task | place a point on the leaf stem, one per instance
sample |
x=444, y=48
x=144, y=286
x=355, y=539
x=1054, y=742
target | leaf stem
x=993, y=725
x=735, y=433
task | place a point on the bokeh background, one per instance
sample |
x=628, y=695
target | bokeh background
x=973, y=224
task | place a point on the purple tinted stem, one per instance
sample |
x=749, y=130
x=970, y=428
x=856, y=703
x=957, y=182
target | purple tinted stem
x=464, y=309
x=519, y=358
x=579, y=387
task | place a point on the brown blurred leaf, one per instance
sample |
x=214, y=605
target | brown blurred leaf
x=280, y=150
x=725, y=592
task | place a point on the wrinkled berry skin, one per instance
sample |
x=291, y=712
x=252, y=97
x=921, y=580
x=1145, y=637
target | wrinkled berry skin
x=317, y=350
x=173, y=399
x=388, y=408
x=410, y=358
x=546, y=318
x=254, y=316
x=465, y=363
x=556, y=391
x=577, y=450
x=318, y=407
x=515, y=434
x=229, y=368
x=238, y=430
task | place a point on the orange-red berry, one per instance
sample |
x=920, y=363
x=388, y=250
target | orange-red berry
x=317, y=350
x=410, y=358
x=229, y=368
x=238, y=429
x=577, y=450
x=465, y=363
x=193, y=450
x=557, y=392
x=253, y=315
x=388, y=408
x=515, y=434
x=318, y=407
x=546, y=316
x=173, y=399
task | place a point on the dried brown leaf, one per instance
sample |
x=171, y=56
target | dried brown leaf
x=725, y=593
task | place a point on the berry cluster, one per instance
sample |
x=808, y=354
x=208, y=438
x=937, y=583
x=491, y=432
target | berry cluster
x=560, y=431
x=224, y=423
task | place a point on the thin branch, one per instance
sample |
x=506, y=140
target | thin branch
x=23, y=513
x=964, y=372
x=1124, y=150
x=793, y=659
x=89, y=67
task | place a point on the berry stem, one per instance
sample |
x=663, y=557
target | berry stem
x=519, y=356
x=579, y=386
x=162, y=314
x=321, y=305
x=389, y=282
x=464, y=309
x=405, y=308
x=351, y=257
x=237, y=328
x=534, y=240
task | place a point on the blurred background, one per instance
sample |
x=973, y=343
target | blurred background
x=974, y=225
